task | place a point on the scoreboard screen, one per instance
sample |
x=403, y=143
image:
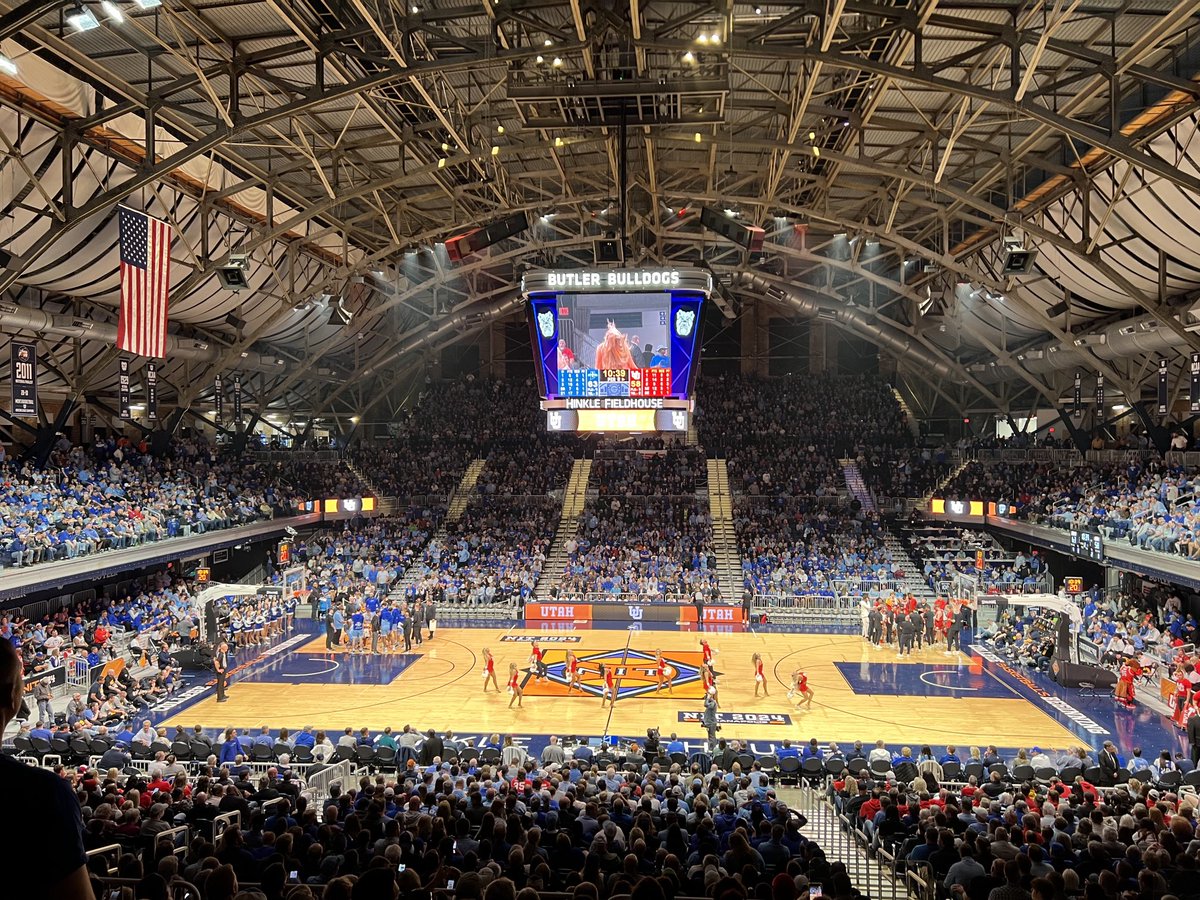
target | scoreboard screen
x=1087, y=544
x=613, y=345
x=615, y=348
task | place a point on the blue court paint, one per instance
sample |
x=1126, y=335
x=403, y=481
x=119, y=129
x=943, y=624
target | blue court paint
x=331, y=668
x=896, y=679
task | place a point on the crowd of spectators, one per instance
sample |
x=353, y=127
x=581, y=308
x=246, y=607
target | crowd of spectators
x=784, y=436
x=528, y=465
x=1145, y=502
x=672, y=472
x=652, y=547
x=1012, y=835
x=945, y=550
x=795, y=547
x=118, y=493
x=494, y=553
x=904, y=471
x=454, y=422
x=368, y=556
x=450, y=820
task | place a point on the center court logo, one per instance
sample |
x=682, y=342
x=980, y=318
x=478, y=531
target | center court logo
x=635, y=672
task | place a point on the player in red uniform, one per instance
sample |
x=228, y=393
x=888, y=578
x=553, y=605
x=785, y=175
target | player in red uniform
x=536, y=663
x=489, y=670
x=514, y=685
x=800, y=686
x=760, y=679
x=574, y=676
x=664, y=672
x=608, y=693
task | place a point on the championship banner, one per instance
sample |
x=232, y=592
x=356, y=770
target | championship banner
x=1162, y=387
x=152, y=391
x=218, y=398
x=237, y=399
x=1194, y=395
x=23, y=377
x=123, y=389
x=1077, y=399
x=1099, y=398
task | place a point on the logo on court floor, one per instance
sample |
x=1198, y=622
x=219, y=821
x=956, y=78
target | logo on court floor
x=693, y=717
x=634, y=670
x=540, y=638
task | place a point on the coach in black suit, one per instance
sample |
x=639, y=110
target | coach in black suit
x=1193, y=733
x=1107, y=760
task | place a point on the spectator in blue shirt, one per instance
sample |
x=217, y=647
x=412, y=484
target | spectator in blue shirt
x=231, y=749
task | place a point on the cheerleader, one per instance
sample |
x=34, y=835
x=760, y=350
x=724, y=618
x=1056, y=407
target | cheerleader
x=289, y=612
x=800, y=686
x=537, y=665
x=574, y=676
x=760, y=680
x=514, y=685
x=608, y=693
x=235, y=629
x=489, y=670
x=664, y=673
x=1179, y=699
x=706, y=653
x=708, y=682
x=260, y=624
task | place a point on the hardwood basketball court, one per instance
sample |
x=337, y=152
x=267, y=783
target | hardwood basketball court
x=862, y=692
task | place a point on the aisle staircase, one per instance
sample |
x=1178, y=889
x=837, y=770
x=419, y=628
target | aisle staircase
x=372, y=489
x=856, y=486
x=574, y=501
x=459, y=501
x=725, y=543
x=465, y=492
x=913, y=425
x=940, y=486
x=914, y=580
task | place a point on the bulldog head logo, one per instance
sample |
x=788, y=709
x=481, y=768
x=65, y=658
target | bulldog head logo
x=545, y=321
x=685, y=320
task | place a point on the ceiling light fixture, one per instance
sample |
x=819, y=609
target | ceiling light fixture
x=698, y=138
x=689, y=57
x=112, y=11
x=540, y=59
x=557, y=61
x=82, y=19
x=499, y=129
x=148, y=4
x=495, y=150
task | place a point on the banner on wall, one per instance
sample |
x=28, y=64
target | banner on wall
x=152, y=390
x=23, y=378
x=237, y=399
x=123, y=401
x=1162, y=387
x=218, y=398
x=1077, y=397
x=1194, y=395
x=1099, y=398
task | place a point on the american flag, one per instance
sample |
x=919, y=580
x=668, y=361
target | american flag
x=145, y=283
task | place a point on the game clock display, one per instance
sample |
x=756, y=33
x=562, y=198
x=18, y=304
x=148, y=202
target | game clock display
x=614, y=382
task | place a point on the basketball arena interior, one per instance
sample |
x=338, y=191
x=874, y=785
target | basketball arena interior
x=667, y=449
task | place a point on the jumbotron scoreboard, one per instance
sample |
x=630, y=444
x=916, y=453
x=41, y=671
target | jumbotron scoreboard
x=616, y=349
